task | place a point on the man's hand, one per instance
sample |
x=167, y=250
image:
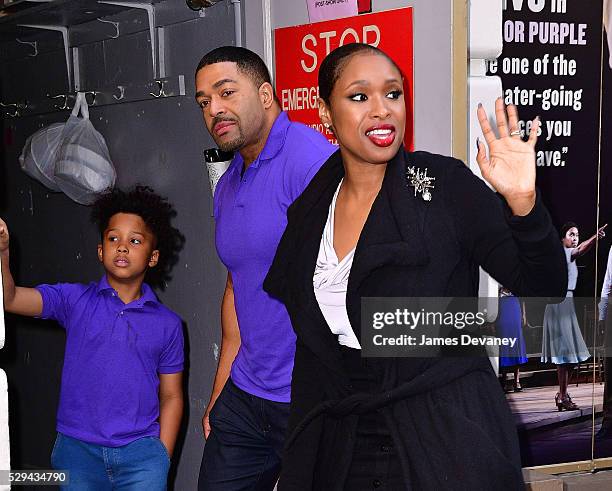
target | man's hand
x=230, y=343
x=206, y=422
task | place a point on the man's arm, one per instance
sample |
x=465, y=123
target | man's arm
x=17, y=299
x=170, y=408
x=230, y=342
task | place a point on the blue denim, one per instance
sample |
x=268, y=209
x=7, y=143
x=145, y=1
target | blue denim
x=243, y=450
x=139, y=466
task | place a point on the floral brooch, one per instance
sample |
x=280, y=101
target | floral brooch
x=420, y=181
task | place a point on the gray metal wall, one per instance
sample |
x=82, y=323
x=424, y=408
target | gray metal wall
x=157, y=142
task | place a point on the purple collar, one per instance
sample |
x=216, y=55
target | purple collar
x=274, y=144
x=148, y=296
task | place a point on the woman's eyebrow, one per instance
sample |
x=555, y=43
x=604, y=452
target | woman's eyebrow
x=357, y=82
x=365, y=82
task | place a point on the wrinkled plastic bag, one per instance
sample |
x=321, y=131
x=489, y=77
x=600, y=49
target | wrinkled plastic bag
x=217, y=162
x=37, y=158
x=83, y=168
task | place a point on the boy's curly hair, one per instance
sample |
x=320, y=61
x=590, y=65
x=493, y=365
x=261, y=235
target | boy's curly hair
x=157, y=214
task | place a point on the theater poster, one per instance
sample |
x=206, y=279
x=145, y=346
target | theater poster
x=555, y=64
x=299, y=51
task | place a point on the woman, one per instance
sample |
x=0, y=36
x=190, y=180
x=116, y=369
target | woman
x=562, y=341
x=361, y=229
x=510, y=321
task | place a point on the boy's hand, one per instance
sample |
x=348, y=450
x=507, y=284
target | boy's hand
x=17, y=299
x=4, y=237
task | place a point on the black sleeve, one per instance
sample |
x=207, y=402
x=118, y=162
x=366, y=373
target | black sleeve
x=300, y=454
x=524, y=254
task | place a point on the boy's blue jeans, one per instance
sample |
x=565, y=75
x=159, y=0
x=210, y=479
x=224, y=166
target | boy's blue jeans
x=139, y=466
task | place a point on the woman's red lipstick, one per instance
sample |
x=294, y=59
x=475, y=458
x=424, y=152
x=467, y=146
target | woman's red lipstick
x=381, y=135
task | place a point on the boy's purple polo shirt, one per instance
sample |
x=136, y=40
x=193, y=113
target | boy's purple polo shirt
x=114, y=352
x=251, y=216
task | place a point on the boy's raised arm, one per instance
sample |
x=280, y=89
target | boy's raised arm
x=17, y=299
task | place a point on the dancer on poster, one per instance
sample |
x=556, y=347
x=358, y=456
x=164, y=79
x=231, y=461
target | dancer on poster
x=562, y=341
x=510, y=322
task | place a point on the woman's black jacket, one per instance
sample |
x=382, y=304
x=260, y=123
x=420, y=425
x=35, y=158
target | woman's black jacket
x=448, y=417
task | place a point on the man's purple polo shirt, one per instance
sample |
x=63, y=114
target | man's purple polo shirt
x=114, y=352
x=251, y=216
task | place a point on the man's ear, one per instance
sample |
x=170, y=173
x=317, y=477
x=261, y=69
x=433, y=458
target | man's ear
x=100, y=252
x=266, y=95
x=324, y=114
x=154, y=259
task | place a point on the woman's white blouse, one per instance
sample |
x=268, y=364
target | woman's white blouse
x=330, y=283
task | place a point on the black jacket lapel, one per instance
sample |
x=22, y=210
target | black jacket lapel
x=392, y=235
x=393, y=232
x=314, y=209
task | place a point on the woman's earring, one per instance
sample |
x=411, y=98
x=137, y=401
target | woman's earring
x=326, y=125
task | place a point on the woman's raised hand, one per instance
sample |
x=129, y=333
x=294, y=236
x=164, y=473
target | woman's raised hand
x=510, y=167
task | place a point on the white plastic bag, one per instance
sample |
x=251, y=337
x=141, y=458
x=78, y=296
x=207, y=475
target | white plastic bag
x=83, y=168
x=217, y=162
x=37, y=158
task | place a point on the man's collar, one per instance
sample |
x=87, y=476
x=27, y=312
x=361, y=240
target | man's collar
x=276, y=138
x=274, y=143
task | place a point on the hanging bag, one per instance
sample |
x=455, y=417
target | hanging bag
x=37, y=158
x=83, y=168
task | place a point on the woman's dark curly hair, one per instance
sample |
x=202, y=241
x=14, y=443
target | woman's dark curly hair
x=157, y=214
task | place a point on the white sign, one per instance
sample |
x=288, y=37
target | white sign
x=331, y=9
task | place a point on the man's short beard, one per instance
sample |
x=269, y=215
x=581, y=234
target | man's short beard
x=232, y=146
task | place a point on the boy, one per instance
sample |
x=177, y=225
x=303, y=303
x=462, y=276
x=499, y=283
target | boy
x=123, y=348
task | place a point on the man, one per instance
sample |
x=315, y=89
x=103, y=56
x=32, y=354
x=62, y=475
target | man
x=605, y=322
x=275, y=159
